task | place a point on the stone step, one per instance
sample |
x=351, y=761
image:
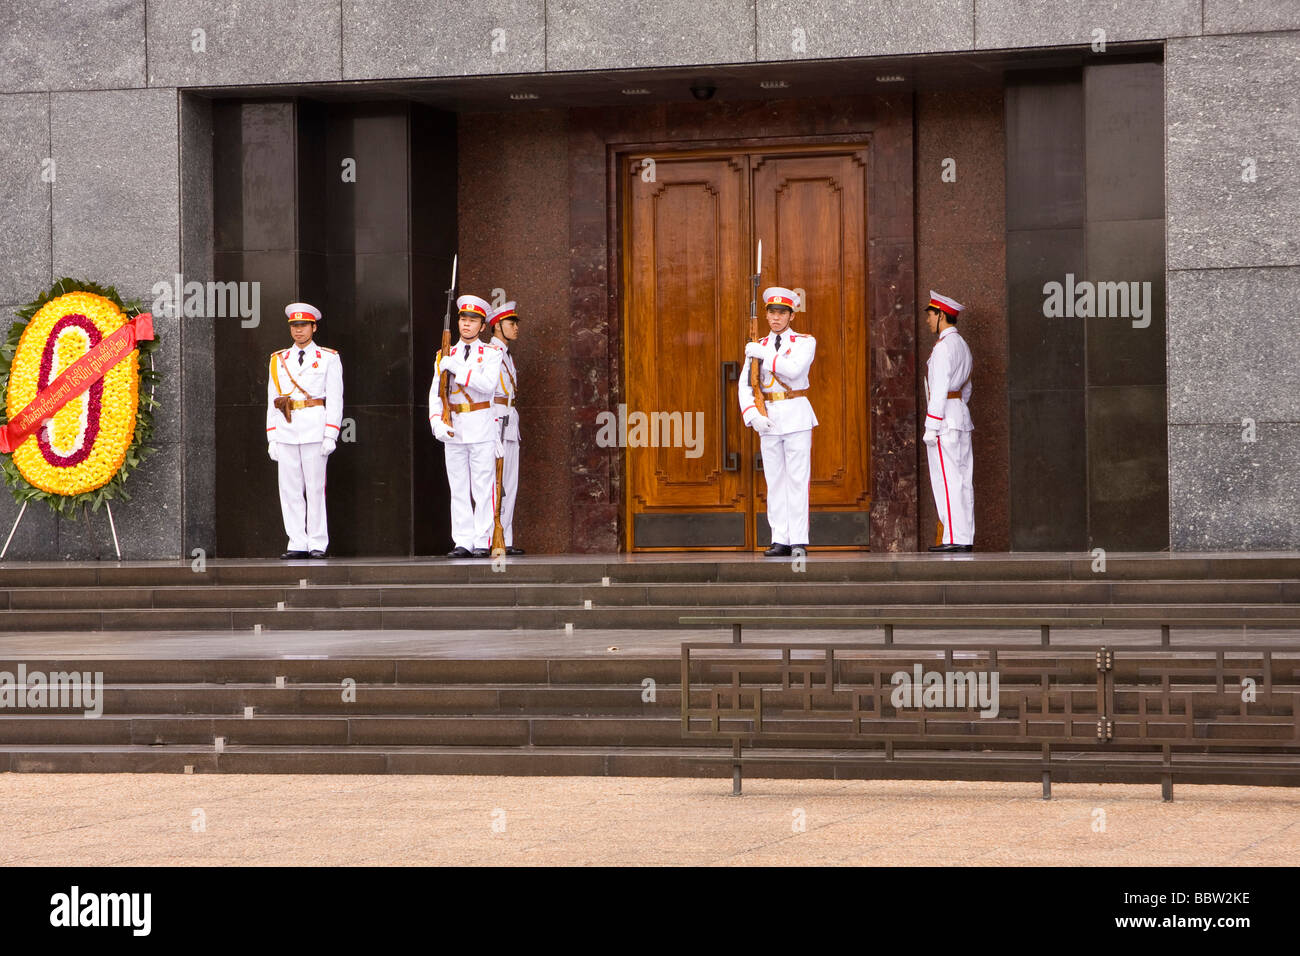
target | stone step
x=479, y=730
x=798, y=593
x=326, y=674
x=589, y=570
x=766, y=763
x=215, y=700
x=554, y=619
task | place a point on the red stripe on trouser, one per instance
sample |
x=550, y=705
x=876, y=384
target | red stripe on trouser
x=948, y=525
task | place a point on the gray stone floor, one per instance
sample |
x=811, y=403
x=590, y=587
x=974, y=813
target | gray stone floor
x=264, y=820
x=460, y=645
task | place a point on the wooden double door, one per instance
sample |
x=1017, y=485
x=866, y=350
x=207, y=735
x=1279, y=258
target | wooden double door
x=690, y=226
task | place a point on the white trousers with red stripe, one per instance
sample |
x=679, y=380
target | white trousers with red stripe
x=302, y=496
x=952, y=471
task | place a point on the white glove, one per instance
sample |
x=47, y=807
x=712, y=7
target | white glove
x=441, y=431
x=453, y=363
x=755, y=351
x=763, y=425
x=327, y=447
x=273, y=450
x=931, y=436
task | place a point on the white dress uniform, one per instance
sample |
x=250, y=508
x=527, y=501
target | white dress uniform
x=305, y=376
x=505, y=406
x=471, y=446
x=787, y=445
x=952, y=468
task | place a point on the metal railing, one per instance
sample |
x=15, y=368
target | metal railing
x=1202, y=713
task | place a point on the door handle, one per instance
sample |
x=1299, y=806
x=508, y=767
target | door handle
x=730, y=459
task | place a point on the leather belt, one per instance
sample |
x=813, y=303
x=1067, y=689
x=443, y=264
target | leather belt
x=507, y=402
x=473, y=407
x=288, y=406
x=782, y=396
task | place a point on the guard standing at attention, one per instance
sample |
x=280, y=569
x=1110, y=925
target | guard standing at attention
x=470, y=443
x=785, y=357
x=504, y=323
x=304, y=409
x=948, y=426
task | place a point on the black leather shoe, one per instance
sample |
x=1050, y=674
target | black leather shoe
x=951, y=548
x=514, y=550
x=777, y=551
x=316, y=554
x=292, y=555
x=482, y=552
x=458, y=553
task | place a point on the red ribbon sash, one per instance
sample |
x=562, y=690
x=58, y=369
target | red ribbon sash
x=76, y=379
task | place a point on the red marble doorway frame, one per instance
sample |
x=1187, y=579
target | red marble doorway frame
x=595, y=139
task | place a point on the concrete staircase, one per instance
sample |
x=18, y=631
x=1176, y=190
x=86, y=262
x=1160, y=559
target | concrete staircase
x=545, y=594
x=549, y=713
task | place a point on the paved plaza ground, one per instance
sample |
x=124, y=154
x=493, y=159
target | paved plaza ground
x=218, y=820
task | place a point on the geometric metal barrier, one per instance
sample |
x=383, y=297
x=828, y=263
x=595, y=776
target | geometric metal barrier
x=1221, y=713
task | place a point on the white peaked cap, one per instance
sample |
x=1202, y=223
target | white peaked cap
x=951, y=306
x=302, y=312
x=472, y=303
x=506, y=311
x=779, y=295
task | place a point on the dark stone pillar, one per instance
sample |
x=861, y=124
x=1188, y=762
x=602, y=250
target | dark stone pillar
x=1128, y=451
x=1085, y=205
x=1045, y=242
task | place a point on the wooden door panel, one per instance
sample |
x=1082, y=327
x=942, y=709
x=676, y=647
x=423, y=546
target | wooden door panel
x=689, y=236
x=686, y=233
x=810, y=210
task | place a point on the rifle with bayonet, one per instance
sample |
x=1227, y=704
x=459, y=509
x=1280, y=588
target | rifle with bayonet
x=755, y=378
x=498, y=533
x=444, y=388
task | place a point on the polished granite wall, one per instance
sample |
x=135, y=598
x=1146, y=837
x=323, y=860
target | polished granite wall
x=514, y=210
x=595, y=292
x=961, y=252
x=94, y=85
x=1233, y=105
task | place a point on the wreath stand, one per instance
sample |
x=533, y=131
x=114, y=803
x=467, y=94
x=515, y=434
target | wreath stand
x=112, y=526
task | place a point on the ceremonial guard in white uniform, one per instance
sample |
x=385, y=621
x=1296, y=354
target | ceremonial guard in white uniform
x=785, y=357
x=948, y=426
x=504, y=322
x=304, y=409
x=471, y=440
